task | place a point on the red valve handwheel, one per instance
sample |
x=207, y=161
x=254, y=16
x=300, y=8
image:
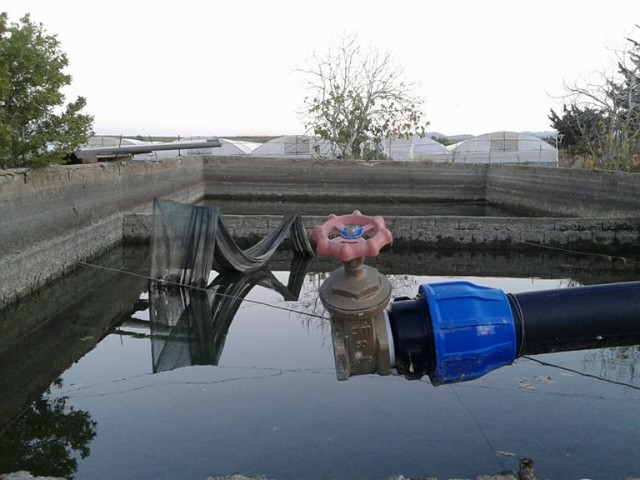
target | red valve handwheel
x=351, y=236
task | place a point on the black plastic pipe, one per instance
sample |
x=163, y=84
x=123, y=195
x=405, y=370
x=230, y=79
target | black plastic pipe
x=577, y=318
x=456, y=331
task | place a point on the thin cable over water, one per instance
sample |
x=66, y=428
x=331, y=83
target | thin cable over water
x=583, y=374
x=477, y=423
x=181, y=285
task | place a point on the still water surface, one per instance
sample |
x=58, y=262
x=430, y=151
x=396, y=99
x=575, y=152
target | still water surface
x=265, y=399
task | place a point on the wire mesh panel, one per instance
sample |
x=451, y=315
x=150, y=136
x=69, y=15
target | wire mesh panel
x=183, y=240
x=186, y=239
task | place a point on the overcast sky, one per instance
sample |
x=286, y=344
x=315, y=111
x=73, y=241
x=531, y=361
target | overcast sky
x=228, y=68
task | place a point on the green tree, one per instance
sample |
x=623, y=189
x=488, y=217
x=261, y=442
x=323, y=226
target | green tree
x=37, y=126
x=579, y=128
x=357, y=99
x=5, y=131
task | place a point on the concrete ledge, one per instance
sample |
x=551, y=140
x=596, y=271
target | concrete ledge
x=593, y=234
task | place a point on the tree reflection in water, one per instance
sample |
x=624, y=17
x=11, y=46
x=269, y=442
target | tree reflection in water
x=615, y=363
x=47, y=438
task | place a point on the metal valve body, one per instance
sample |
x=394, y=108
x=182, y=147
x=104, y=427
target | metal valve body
x=356, y=295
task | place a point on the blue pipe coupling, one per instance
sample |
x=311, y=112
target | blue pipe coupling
x=453, y=331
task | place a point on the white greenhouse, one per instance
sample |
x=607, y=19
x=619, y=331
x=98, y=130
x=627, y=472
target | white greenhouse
x=415, y=148
x=505, y=148
x=227, y=148
x=112, y=141
x=299, y=146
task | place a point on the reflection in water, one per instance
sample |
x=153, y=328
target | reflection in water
x=575, y=425
x=47, y=438
x=189, y=326
x=616, y=363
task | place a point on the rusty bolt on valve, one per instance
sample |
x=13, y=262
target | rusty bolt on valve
x=356, y=295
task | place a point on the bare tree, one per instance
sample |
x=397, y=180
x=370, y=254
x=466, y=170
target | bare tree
x=602, y=118
x=357, y=98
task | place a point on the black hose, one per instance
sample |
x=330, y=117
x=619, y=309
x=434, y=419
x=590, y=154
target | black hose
x=577, y=318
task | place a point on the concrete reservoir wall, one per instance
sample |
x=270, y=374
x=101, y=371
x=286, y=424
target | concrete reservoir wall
x=554, y=191
x=565, y=191
x=50, y=219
